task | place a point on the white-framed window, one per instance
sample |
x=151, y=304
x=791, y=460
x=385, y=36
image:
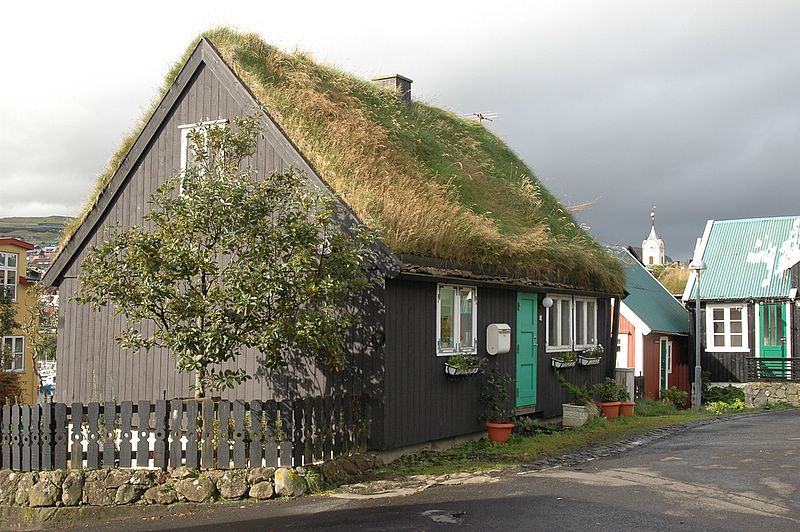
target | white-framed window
x=669, y=357
x=187, y=154
x=13, y=353
x=726, y=328
x=585, y=322
x=559, y=323
x=622, y=350
x=9, y=267
x=456, y=319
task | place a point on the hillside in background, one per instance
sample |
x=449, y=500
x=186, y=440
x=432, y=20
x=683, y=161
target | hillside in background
x=36, y=230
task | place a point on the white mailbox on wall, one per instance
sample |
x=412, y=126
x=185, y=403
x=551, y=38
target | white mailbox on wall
x=498, y=338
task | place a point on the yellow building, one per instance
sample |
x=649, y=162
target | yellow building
x=13, y=268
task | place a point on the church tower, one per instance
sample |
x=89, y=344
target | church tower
x=653, y=247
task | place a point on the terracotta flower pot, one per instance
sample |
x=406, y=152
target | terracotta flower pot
x=610, y=409
x=626, y=408
x=498, y=432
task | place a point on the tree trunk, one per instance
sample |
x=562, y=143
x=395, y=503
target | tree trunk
x=199, y=388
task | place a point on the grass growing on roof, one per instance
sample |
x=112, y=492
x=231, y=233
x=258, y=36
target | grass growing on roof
x=430, y=183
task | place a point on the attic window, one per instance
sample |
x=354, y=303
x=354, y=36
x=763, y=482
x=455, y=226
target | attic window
x=187, y=153
x=8, y=274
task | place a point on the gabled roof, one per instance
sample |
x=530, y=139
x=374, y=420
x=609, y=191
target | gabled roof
x=16, y=242
x=648, y=299
x=749, y=258
x=429, y=183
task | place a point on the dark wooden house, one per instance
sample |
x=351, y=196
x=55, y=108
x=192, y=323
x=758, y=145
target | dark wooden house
x=478, y=241
x=748, y=296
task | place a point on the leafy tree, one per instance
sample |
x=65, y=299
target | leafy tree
x=9, y=380
x=227, y=261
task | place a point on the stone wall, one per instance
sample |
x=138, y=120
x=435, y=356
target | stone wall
x=757, y=394
x=114, y=487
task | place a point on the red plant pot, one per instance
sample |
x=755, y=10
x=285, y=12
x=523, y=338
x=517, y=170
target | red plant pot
x=610, y=409
x=626, y=408
x=498, y=432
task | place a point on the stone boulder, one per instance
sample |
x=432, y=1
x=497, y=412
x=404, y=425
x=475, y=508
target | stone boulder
x=288, y=483
x=161, y=495
x=72, y=489
x=8, y=486
x=95, y=493
x=232, y=484
x=260, y=474
x=333, y=472
x=44, y=493
x=196, y=489
x=128, y=494
x=262, y=490
x=24, y=486
x=183, y=472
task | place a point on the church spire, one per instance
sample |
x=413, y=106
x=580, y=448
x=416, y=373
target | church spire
x=653, y=247
x=652, y=235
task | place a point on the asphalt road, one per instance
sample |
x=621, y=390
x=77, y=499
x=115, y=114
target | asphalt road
x=741, y=474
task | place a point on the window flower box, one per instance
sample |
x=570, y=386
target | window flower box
x=567, y=360
x=454, y=371
x=458, y=365
x=589, y=360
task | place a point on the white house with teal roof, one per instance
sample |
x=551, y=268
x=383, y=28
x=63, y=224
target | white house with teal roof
x=748, y=295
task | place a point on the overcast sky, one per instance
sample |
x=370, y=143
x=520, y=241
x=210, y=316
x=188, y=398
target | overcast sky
x=692, y=106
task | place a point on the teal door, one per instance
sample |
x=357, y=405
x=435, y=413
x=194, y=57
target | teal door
x=527, y=324
x=665, y=362
x=773, y=335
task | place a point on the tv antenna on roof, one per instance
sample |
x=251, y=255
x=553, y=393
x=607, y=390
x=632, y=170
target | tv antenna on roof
x=480, y=117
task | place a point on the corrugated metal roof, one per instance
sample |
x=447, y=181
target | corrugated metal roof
x=648, y=298
x=750, y=258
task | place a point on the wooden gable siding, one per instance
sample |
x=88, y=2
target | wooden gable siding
x=421, y=402
x=92, y=366
x=627, y=328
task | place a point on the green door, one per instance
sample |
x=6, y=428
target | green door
x=526, y=348
x=666, y=361
x=773, y=336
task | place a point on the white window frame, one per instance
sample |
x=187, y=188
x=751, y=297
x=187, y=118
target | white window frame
x=457, y=348
x=591, y=336
x=186, y=129
x=560, y=346
x=7, y=273
x=15, y=340
x=727, y=348
x=622, y=349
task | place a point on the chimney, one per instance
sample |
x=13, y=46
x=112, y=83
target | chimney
x=397, y=83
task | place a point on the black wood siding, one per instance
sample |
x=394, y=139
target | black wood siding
x=421, y=402
x=550, y=395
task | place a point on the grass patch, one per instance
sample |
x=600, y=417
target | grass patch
x=480, y=456
x=429, y=182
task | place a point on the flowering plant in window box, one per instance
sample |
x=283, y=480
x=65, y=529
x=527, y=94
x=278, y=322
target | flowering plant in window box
x=462, y=365
x=566, y=360
x=591, y=356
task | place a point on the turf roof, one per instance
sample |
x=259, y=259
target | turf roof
x=430, y=183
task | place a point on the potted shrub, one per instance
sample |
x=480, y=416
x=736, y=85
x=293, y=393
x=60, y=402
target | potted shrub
x=462, y=365
x=608, y=394
x=591, y=356
x=496, y=414
x=580, y=408
x=565, y=360
x=626, y=406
